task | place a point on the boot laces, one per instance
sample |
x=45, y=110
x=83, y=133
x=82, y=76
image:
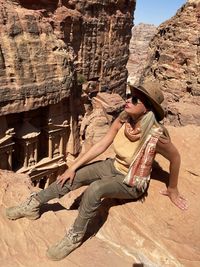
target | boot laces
x=28, y=201
x=74, y=236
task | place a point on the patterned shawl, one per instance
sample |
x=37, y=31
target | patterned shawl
x=141, y=166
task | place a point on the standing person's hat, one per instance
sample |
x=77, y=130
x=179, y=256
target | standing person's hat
x=151, y=89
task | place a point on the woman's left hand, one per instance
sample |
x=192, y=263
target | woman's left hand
x=175, y=197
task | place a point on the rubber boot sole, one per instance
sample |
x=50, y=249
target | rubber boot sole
x=29, y=217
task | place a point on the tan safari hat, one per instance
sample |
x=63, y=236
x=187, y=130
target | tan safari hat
x=151, y=89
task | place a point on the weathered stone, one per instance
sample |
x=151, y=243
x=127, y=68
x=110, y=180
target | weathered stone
x=174, y=61
x=152, y=233
x=44, y=43
x=48, y=49
x=138, y=47
x=34, y=71
x=112, y=103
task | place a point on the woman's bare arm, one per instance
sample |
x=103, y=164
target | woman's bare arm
x=92, y=153
x=170, y=152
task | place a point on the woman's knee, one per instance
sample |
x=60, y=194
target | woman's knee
x=84, y=176
x=91, y=200
x=95, y=190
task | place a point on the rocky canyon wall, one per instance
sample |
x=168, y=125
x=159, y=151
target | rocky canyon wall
x=46, y=45
x=139, y=44
x=53, y=55
x=174, y=60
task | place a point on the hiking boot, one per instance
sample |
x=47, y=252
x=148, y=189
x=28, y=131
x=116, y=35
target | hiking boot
x=64, y=247
x=28, y=209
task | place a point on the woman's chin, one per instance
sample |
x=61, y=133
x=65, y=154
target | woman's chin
x=128, y=111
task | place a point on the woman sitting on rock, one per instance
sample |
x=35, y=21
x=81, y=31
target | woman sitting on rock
x=137, y=137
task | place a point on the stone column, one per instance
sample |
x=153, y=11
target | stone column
x=25, y=155
x=61, y=144
x=9, y=159
x=50, y=147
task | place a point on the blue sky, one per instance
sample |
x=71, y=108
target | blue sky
x=156, y=11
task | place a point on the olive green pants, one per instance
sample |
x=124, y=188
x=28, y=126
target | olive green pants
x=104, y=182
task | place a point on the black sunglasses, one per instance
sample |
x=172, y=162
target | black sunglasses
x=134, y=99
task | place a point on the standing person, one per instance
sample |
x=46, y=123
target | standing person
x=137, y=136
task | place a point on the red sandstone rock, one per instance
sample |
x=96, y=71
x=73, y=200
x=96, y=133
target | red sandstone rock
x=138, y=47
x=155, y=233
x=44, y=44
x=48, y=49
x=174, y=61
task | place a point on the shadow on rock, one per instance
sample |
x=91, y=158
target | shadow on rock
x=96, y=223
x=51, y=207
x=159, y=174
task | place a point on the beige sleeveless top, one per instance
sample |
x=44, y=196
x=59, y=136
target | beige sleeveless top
x=124, y=150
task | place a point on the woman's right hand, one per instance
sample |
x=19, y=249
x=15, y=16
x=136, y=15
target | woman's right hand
x=92, y=153
x=67, y=175
x=175, y=197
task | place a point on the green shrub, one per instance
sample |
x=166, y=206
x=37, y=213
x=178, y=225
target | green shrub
x=81, y=79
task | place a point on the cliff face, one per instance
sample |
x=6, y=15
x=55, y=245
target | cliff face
x=139, y=44
x=34, y=63
x=175, y=61
x=47, y=47
x=54, y=57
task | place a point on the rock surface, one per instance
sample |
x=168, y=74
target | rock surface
x=100, y=113
x=138, y=48
x=82, y=37
x=153, y=233
x=34, y=63
x=174, y=60
x=48, y=47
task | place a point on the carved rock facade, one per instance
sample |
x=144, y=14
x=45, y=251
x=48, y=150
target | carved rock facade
x=48, y=49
